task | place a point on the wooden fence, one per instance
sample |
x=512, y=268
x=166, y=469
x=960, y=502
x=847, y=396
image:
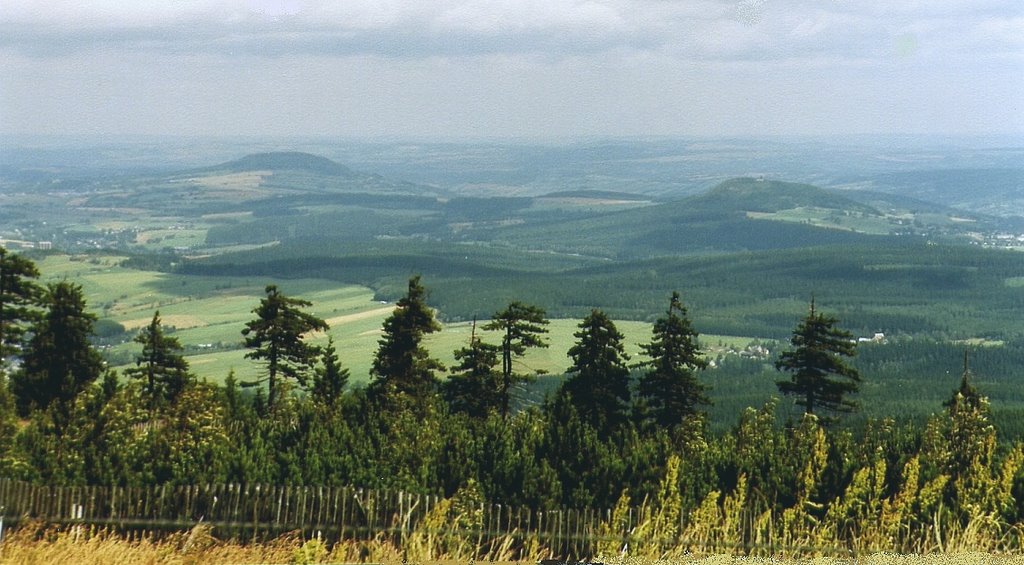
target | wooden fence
x=259, y=511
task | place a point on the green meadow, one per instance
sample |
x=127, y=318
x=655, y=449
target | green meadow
x=208, y=313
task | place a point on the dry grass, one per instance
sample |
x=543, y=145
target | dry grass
x=77, y=545
x=81, y=545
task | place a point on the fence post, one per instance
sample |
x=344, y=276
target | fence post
x=256, y=511
x=345, y=493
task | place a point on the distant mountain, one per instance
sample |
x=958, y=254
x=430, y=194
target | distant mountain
x=993, y=191
x=758, y=195
x=275, y=184
x=597, y=195
x=716, y=221
x=286, y=161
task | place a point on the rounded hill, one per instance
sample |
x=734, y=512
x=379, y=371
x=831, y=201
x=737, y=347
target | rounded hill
x=287, y=161
x=758, y=195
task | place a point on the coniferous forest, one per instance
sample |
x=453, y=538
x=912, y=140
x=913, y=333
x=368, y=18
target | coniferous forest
x=614, y=435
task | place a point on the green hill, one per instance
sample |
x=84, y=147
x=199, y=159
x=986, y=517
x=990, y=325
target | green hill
x=719, y=220
x=290, y=160
x=597, y=195
x=756, y=195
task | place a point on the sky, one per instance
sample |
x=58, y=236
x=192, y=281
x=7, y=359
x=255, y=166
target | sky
x=484, y=69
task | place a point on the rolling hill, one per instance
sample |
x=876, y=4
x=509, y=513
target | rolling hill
x=758, y=195
x=733, y=216
x=287, y=161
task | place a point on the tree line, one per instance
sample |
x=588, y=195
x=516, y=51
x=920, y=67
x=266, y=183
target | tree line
x=612, y=431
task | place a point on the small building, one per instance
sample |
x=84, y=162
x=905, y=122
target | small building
x=879, y=337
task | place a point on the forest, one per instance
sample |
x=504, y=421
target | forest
x=612, y=435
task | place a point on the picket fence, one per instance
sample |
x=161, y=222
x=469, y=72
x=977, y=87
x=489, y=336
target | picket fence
x=261, y=511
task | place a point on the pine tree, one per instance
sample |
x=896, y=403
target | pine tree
x=820, y=378
x=966, y=396
x=8, y=428
x=330, y=378
x=59, y=361
x=475, y=387
x=670, y=388
x=522, y=327
x=161, y=366
x=599, y=381
x=276, y=336
x=402, y=366
x=20, y=296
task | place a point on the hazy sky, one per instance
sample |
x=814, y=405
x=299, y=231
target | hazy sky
x=529, y=68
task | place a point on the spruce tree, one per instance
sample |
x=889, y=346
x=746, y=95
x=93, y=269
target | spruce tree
x=599, y=378
x=475, y=387
x=161, y=366
x=330, y=378
x=820, y=378
x=402, y=366
x=20, y=297
x=522, y=327
x=966, y=396
x=276, y=337
x=670, y=388
x=59, y=361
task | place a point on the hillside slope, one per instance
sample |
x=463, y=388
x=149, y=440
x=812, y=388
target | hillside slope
x=719, y=220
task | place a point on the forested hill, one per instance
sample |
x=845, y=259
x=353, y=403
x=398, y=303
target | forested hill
x=759, y=195
x=737, y=215
x=286, y=161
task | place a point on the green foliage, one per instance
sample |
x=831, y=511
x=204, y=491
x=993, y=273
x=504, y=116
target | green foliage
x=330, y=378
x=816, y=364
x=59, y=361
x=20, y=296
x=587, y=460
x=670, y=390
x=161, y=366
x=9, y=462
x=277, y=337
x=187, y=444
x=598, y=383
x=475, y=387
x=522, y=328
x=402, y=366
x=879, y=484
x=758, y=485
x=873, y=286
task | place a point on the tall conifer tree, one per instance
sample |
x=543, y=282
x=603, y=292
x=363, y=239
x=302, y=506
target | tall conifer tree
x=475, y=386
x=59, y=360
x=402, y=366
x=670, y=387
x=330, y=378
x=819, y=376
x=20, y=296
x=276, y=337
x=522, y=327
x=161, y=365
x=599, y=377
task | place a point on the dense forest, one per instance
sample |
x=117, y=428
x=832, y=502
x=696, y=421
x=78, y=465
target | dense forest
x=612, y=433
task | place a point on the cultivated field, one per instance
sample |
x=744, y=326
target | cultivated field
x=209, y=313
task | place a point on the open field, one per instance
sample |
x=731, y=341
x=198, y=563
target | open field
x=826, y=218
x=209, y=313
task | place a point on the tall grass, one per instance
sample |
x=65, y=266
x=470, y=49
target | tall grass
x=80, y=546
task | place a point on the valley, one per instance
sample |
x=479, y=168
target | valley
x=925, y=267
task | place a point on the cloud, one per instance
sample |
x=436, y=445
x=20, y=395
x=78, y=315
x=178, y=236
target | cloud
x=743, y=30
x=519, y=66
